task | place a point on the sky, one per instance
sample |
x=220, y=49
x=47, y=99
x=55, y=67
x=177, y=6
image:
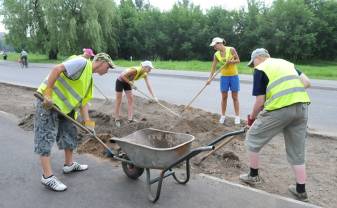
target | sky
x=165, y=5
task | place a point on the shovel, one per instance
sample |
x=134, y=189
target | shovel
x=202, y=89
x=78, y=124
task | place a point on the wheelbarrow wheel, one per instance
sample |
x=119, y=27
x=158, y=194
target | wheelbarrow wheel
x=132, y=171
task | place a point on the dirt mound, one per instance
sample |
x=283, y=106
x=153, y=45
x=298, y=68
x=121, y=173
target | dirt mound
x=27, y=122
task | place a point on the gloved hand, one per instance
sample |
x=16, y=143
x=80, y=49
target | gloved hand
x=90, y=124
x=250, y=120
x=47, y=98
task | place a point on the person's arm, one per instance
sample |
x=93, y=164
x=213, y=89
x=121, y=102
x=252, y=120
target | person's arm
x=213, y=67
x=305, y=80
x=54, y=75
x=235, y=59
x=149, y=87
x=125, y=76
x=84, y=111
x=258, y=106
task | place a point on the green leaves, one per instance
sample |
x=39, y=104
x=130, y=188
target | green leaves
x=292, y=29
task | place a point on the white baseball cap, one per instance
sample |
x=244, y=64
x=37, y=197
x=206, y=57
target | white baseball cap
x=147, y=64
x=216, y=40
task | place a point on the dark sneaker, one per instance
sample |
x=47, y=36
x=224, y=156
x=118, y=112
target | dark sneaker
x=300, y=196
x=53, y=183
x=74, y=167
x=252, y=180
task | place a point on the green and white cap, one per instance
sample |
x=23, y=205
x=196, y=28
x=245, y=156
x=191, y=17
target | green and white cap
x=106, y=58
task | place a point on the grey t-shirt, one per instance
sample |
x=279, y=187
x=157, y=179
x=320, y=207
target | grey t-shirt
x=74, y=67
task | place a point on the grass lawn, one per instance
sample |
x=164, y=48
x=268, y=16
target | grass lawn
x=314, y=69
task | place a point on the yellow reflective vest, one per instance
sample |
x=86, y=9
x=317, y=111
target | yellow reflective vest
x=70, y=94
x=285, y=87
x=229, y=70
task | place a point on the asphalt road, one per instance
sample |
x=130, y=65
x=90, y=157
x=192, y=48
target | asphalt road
x=180, y=87
x=105, y=185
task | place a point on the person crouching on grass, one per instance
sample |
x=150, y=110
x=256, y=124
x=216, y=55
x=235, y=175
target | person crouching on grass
x=125, y=82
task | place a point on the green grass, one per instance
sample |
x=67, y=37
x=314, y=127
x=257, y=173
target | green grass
x=34, y=58
x=313, y=69
x=316, y=70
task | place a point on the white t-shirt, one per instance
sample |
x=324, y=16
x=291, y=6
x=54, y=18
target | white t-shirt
x=23, y=53
x=74, y=67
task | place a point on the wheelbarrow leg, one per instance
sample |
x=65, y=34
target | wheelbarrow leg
x=154, y=197
x=187, y=178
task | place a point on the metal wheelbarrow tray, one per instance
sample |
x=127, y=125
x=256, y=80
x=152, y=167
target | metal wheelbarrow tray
x=156, y=149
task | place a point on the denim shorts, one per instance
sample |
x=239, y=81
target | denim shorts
x=231, y=83
x=49, y=127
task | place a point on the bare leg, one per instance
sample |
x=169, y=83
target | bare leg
x=68, y=157
x=224, y=96
x=46, y=166
x=118, y=103
x=129, y=96
x=235, y=96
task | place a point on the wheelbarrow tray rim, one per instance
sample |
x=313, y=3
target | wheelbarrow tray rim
x=126, y=140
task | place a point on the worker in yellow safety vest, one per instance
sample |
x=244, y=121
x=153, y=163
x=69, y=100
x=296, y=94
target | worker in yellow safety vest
x=69, y=87
x=125, y=82
x=281, y=106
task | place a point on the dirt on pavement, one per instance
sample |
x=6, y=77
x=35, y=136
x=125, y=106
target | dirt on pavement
x=227, y=163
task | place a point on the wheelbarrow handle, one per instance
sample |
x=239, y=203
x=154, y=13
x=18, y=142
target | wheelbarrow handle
x=232, y=133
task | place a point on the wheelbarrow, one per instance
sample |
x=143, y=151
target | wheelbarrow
x=156, y=149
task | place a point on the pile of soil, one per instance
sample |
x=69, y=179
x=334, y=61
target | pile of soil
x=227, y=163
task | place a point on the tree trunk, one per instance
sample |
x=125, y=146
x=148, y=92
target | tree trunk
x=53, y=54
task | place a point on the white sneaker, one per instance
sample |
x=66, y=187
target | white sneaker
x=222, y=119
x=74, y=167
x=237, y=120
x=53, y=183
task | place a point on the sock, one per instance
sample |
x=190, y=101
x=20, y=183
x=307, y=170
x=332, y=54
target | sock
x=300, y=188
x=68, y=165
x=48, y=176
x=253, y=172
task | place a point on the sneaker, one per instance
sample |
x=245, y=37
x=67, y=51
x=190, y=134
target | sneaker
x=118, y=123
x=252, y=180
x=74, y=167
x=300, y=196
x=237, y=120
x=53, y=183
x=222, y=119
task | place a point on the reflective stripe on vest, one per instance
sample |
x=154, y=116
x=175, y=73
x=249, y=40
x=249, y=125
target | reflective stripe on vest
x=284, y=87
x=70, y=94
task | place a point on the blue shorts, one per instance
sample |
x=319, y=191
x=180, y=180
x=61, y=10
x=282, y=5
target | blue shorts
x=231, y=83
